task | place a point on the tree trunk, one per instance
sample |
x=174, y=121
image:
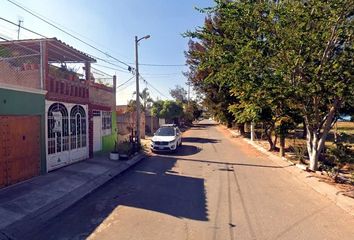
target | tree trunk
x=275, y=141
x=268, y=133
x=304, y=130
x=282, y=145
x=241, y=128
x=252, y=132
x=315, y=140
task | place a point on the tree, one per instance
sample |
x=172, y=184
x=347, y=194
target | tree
x=171, y=110
x=192, y=111
x=168, y=109
x=279, y=60
x=156, y=108
x=202, y=74
x=179, y=94
x=131, y=107
x=145, y=97
x=314, y=53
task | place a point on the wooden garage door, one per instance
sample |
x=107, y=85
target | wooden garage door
x=20, y=138
x=3, y=167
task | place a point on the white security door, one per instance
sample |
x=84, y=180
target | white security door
x=97, y=131
x=57, y=135
x=66, y=134
x=78, y=133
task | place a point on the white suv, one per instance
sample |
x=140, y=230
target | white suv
x=167, y=138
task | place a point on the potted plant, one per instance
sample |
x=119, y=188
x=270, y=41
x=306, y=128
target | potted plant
x=72, y=73
x=125, y=150
x=114, y=155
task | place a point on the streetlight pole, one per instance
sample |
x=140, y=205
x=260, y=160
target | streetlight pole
x=137, y=89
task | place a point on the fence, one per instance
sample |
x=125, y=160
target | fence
x=20, y=64
x=126, y=122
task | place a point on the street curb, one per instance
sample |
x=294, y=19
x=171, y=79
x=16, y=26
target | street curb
x=18, y=229
x=331, y=192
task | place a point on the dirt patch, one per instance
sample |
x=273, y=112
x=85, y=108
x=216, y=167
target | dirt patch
x=237, y=140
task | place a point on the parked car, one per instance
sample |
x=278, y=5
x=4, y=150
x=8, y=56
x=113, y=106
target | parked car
x=167, y=138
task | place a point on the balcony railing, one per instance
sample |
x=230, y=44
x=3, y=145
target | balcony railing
x=63, y=84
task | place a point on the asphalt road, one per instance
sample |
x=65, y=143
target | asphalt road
x=214, y=187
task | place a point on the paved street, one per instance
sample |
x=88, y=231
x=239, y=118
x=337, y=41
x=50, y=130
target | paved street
x=214, y=187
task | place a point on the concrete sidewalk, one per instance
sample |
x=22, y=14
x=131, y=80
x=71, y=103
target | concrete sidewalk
x=29, y=204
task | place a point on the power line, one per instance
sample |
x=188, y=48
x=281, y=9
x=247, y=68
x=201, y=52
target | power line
x=162, y=74
x=23, y=27
x=4, y=39
x=106, y=61
x=153, y=87
x=102, y=72
x=64, y=27
x=115, y=69
x=125, y=82
x=66, y=32
x=125, y=87
x=162, y=65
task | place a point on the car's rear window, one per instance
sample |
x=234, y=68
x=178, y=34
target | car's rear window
x=165, y=131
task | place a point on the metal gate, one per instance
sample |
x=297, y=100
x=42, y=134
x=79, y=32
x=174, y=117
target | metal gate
x=66, y=134
x=19, y=149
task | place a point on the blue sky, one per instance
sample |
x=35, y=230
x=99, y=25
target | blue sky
x=111, y=26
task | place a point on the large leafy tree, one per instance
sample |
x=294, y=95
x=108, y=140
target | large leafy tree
x=279, y=59
x=313, y=41
x=203, y=72
x=167, y=109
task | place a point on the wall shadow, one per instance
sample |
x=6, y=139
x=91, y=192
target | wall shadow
x=169, y=193
x=152, y=185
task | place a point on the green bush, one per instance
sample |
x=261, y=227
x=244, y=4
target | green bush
x=125, y=148
x=340, y=154
x=300, y=151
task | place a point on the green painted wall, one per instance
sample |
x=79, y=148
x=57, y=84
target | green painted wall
x=23, y=103
x=109, y=140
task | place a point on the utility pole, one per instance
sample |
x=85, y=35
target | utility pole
x=137, y=88
x=137, y=93
x=19, y=28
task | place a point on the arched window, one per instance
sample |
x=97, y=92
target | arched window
x=58, y=128
x=78, y=127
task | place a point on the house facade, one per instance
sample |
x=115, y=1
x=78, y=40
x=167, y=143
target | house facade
x=48, y=110
x=22, y=140
x=103, y=123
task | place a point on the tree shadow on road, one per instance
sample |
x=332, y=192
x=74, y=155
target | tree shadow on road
x=199, y=140
x=232, y=163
